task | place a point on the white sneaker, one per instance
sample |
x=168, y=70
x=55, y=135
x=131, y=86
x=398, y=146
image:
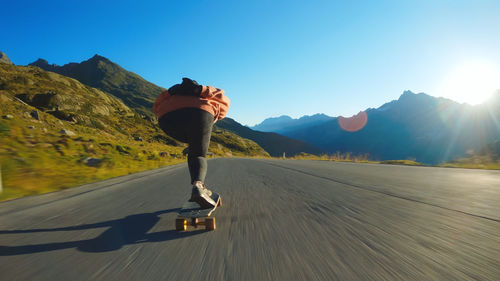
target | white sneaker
x=201, y=195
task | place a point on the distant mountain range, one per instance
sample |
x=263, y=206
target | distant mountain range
x=273, y=143
x=285, y=123
x=416, y=126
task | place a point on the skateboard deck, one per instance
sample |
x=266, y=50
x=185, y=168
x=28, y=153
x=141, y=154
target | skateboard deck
x=191, y=213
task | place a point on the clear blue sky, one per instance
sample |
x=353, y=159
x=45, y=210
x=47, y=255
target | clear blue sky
x=272, y=57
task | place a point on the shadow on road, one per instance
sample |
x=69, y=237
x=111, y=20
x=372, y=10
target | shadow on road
x=128, y=230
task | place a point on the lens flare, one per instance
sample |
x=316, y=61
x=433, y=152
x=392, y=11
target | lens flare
x=354, y=123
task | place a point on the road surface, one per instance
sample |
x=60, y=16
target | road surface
x=281, y=220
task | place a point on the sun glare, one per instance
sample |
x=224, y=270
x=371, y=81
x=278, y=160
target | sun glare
x=471, y=82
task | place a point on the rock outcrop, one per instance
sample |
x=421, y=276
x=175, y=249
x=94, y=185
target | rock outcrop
x=4, y=58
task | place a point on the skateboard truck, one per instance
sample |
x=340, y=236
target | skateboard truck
x=182, y=224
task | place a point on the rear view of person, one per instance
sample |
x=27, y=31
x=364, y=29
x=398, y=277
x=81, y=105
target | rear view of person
x=187, y=112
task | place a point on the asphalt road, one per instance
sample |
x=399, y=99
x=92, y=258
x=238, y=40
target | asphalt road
x=281, y=220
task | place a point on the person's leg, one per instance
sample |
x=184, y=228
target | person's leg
x=174, y=124
x=199, y=140
x=192, y=126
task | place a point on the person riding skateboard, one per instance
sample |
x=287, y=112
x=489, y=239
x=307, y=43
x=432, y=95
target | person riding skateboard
x=187, y=113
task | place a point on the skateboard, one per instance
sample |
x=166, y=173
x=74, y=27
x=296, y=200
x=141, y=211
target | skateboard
x=191, y=213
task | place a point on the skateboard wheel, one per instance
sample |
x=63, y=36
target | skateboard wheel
x=181, y=224
x=210, y=224
x=220, y=202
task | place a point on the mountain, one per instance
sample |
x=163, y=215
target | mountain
x=107, y=76
x=285, y=123
x=4, y=58
x=416, y=126
x=139, y=94
x=273, y=143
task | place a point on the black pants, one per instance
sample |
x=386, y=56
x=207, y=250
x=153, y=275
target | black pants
x=192, y=126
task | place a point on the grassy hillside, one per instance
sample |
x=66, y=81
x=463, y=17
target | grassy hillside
x=56, y=133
